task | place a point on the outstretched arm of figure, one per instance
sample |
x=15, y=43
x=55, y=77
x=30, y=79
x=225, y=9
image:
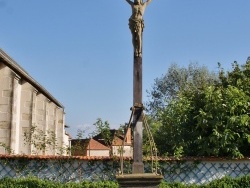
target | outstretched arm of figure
x=147, y=2
x=130, y=2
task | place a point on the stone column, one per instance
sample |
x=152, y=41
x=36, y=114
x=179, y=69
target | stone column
x=15, y=115
x=33, y=116
x=138, y=166
x=46, y=127
x=46, y=116
x=63, y=132
x=137, y=80
x=56, y=128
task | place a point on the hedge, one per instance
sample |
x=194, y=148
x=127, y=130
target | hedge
x=33, y=182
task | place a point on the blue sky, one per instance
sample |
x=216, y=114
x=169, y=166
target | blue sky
x=81, y=50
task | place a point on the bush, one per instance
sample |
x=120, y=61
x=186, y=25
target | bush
x=226, y=182
x=30, y=182
x=33, y=182
x=176, y=185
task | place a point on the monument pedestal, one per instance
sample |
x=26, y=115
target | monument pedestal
x=145, y=180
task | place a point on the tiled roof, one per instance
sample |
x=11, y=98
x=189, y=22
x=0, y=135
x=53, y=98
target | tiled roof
x=96, y=158
x=117, y=141
x=53, y=157
x=79, y=141
x=91, y=144
x=95, y=145
x=116, y=137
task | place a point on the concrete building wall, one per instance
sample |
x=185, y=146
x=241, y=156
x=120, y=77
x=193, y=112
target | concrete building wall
x=127, y=151
x=25, y=107
x=50, y=121
x=25, y=117
x=99, y=153
x=60, y=132
x=6, y=92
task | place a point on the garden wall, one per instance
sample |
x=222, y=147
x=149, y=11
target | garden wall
x=67, y=169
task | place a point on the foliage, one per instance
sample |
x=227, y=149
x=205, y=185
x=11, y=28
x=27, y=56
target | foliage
x=38, y=139
x=32, y=182
x=223, y=123
x=240, y=182
x=70, y=169
x=77, y=146
x=26, y=183
x=154, y=126
x=226, y=182
x=103, y=129
x=102, y=134
x=6, y=148
x=167, y=87
x=206, y=118
x=42, y=141
x=224, y=119
x=174, y=97
x=177, y=133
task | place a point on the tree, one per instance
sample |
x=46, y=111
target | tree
x=78, y=145
x=226, y=113
x=210, y=119
x=176, y=135
x=224, y=122
x=238, y=77
x=42, y=141
x=167, y=87
x=174, y=97
x=103, y=129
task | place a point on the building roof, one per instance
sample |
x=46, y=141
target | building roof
x=115, y=136
x=24, y=75
x=91, y=144
x=95, y=145
x=108, y=158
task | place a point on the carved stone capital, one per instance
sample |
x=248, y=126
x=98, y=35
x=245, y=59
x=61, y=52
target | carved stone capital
x=17, y=77
x=35, y=91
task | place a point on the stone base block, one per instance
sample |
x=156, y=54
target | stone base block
x=146, y=180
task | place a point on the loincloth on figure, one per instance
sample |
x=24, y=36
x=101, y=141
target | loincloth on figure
x=136, y=25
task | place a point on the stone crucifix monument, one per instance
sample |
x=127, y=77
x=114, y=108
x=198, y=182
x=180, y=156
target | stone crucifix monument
x=138, y=178
x=136, y=25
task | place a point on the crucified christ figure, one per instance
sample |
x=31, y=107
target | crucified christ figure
x=136, y=24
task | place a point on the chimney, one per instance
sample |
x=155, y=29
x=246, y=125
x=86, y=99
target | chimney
x=128, y=136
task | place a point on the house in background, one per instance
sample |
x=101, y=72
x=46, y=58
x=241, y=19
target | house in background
x=88, y=147
x=117, y=142
x=97, y=146
x=25, y=105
